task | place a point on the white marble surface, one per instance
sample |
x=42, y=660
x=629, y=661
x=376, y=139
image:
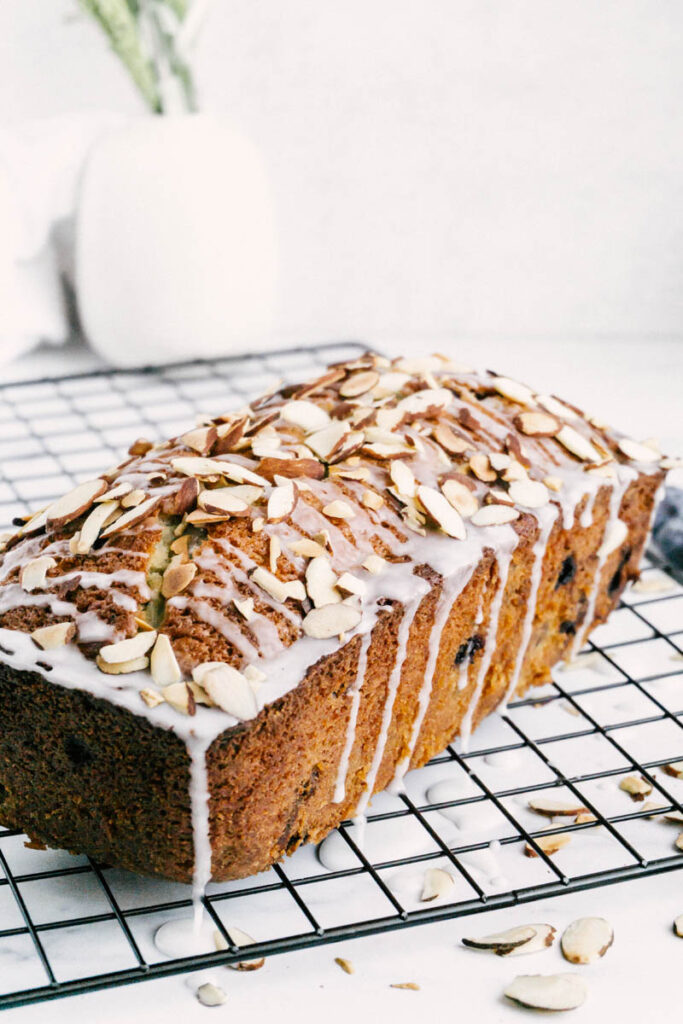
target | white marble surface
x=634, y=384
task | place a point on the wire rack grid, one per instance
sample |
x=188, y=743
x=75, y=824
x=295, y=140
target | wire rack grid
x=69, y=925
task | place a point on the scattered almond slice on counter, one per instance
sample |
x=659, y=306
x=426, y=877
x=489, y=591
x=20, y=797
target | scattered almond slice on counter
x=548, y=992
x=679, y=842
x=346, y=965
x=238, y=938
x=673, y=817
x=542, y=939
x=502, y=943
x=556, y=808
x=585, y=818
x=678, y=926
x=411, y=986
x=548, y=844
x=209, y=994
x=436, y=884
x=636, y=786
x=50, y=637
x=652, y=583
x=586, y=940
x=674, y=768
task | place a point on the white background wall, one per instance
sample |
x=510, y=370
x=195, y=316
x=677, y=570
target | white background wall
x=508, y=167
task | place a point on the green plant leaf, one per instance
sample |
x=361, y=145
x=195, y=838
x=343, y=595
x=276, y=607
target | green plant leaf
x=117, y=19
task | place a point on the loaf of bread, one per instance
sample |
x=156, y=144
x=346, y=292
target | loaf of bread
x=222, y=648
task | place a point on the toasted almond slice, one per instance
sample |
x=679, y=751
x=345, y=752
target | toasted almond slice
x=254, y=675
x=636, y=786
x=330, y=620
x=555, y=808
x=92, y=525
x=321, y=582
x=460, y=497
x=675, y=817
x=481, y=467
x=306, y=415
x=502, y=943
x=195, y=465
x=384, y=451
x=33, y=574
x=515, y=471
x=403, y=478
x=543, y=938
x=536, y=424
x=152, y=698
x=324, y=442
x=281, y=502
x=177, y=578
x=209, y=994
x=141, y=446
x=425, y=400
x=375, y=564
x=338, y=509
x=679, y=842
x=584, y=818
x=442, y=512
x=637, y=451
x=411, y=986
x=278, y=589
x=295, y=468
x=133, y=498
x=549, y=844
x=115, y=493
x=126, y=650
x=222, y=501
x=586, y=940
x=359, y=383
x=274, y=552
x=180, y=698
x=449, y=440
x=674, y=768
x=436, y=884
x=678, y=926
x=556, y=408
x=75, y=503
x=553, y=483
x=351, y=584
x=121, y=667
x=494, y=515
x=529, y=493
x=240, y=939
x=346, y=965
x=245, y=607
x=513, y=390
x=231, y=692
x=548, y=992
x=306, y=548
x=57, y=635
x=372, y=500
x=163, y=663
x=577, y=444
x=200, y=440
x=201, y=518
x=132, y=517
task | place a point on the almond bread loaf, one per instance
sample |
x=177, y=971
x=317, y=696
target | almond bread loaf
x=222, y=648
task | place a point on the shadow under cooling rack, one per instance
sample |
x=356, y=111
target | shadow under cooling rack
x=68, y=924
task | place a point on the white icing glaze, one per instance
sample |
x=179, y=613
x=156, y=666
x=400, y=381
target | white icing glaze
x=355, y=694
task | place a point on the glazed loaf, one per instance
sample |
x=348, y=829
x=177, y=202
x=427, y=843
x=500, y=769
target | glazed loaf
x=222, y=648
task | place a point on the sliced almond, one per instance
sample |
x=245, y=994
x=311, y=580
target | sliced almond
x=481, y=467
x=494, y=515
x=678, y=926
x=615, y=535
x=278, y=589
x=502, y=943
x=585, y=818
x=449, y=440
x=359, y=383
x=437, y=883
x=92, y=525
x=274, y=552
x=543, y=938
x=132, y=517
x=177, y=578
x=33, y=574
x=293, y=468
x=75, y=503
x=306, y=415
x=321, y=582
x=577, y=444
x=674, y=817
x=674, y=769
x=152, y=698
x=637, y=451
x=442, y=512
x=230, y=691
x=372, y=500
x=536, y=424
x=140, y=447
x=202, y=468
x=324, y=442
x=338, y=509
x=375, y=564
x=548, y=992
x=549, y=844
x=513, y=390
x=280, y=502
x=306, y=548
x=586, y=940
x=209, y=994
x=49, y=637
x=346, y=965
x=330, y=620
x=679, y=842
x=180, y=698
x=556, y=408
x=636, y=786
x=121, y=667
x=163, y=663
x=200, y=440
x=515, y=471
x=411, y=986
x=351, y=584
x=556, y=808
x=254, y=675
x=529, y=493
x=126, y=650
x=553, y=483
x=403, y=478
x=115, y=493
x=245, y=607
x=222, y=501
x=240, y=939
x=460, y=497
x=133, y=498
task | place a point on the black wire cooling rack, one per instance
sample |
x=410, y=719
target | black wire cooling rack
x=69, y=925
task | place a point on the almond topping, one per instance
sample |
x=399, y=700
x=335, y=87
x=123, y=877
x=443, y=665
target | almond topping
x=131, y=517
x=529, y=493
x=119, y=668
x=359, y=383
x=151, y=698
x=321, y=582
x=133, y=498
x=180, y=698
x=90, y=530
x=306, y=548
x=330, y=620
x=536, y=424
x=481, y=467
x=636, y=451
x=119, y=491
x=324, y=442
x=222, y=501
x=281, y=502
x=177, y=577
x=202, y=468
x=49, y=637
x=449, y=440
x=442, y=512
x=556, y=408
x=277, y=588
x=306, y=415
x=163, y=663
x=615, y=535
x=140, y=447
x=403, y=478
x=294, y=468
x=33, y=574
x=636, y=786
x=372, y=500
x=127, y=650
x=201, y=440
x=350, y=584
x=513, y=390
x=578, y=445
x=494, y=515
x=231, y=692
x=375, y=564
x=553, y=483
x=338, y=509
x=75, y=503
x=460, y=497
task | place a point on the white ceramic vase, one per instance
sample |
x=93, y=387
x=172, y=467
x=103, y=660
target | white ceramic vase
x=175, y=242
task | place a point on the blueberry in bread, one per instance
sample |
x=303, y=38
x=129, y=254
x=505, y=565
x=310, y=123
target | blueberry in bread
x=222, y=648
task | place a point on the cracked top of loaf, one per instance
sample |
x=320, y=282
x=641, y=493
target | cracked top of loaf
x=201, y=559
